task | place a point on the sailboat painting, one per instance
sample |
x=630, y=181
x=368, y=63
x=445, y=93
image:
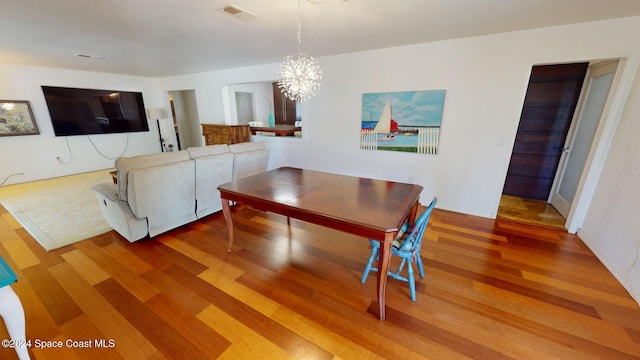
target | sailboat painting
x=407, y=121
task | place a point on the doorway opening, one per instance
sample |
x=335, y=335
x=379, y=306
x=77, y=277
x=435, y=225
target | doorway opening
x=245, y=108
x=186, y=123
x=262, y=106
x=560, y=116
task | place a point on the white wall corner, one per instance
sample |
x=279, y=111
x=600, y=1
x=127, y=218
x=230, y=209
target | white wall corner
x=628, y=278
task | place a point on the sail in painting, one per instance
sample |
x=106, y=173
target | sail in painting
x=384, y=123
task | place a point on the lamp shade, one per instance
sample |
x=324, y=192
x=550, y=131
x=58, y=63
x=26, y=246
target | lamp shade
x=156, y=113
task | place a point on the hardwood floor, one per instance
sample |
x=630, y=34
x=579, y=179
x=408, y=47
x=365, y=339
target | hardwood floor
x=493, y=290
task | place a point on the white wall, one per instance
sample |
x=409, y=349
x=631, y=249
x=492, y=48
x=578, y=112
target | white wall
x=485, y=80
x=35, y=155
x=611, y=227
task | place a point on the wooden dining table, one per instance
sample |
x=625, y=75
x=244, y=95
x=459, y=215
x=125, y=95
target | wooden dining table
x=373, y=209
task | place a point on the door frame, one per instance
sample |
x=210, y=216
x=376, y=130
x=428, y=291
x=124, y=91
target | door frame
x=614, y=107
x=611, y=114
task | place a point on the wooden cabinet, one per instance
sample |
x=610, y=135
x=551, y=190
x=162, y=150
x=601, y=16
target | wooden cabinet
x=225, y=134
x=285, y=110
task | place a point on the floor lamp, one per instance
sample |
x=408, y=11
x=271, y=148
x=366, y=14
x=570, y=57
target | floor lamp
x=157, y=114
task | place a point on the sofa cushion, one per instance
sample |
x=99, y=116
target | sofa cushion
x=126, y=164
x=249, y=158
x=200, y=151
x=247, y=146
x=211, y=171
x=165, y=195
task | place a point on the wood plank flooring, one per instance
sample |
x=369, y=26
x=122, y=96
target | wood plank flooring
x=493, y=290
x=530, y=211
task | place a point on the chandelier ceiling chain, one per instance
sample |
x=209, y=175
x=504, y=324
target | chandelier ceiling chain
x=299, y=36
x=299, y=78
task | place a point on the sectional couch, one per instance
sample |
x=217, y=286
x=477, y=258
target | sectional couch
x=159, y=192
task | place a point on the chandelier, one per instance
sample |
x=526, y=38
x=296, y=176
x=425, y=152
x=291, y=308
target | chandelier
x=299, y=77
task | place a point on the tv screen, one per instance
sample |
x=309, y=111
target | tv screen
x=89, y=111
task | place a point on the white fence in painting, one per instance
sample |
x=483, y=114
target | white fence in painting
x=368, y=140
x=428, y=140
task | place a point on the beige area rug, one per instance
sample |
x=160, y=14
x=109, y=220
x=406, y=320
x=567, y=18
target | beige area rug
x=59, y=211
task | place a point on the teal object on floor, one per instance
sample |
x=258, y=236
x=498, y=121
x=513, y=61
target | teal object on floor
x=406, y=246
x=7, y=276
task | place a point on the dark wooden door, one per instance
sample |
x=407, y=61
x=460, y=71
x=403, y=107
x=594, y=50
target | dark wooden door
x=549, y=105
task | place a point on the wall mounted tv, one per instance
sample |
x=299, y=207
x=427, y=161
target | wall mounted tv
x=89, y=111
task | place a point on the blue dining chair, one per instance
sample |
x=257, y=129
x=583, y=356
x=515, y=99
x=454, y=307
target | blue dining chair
x=406, y=245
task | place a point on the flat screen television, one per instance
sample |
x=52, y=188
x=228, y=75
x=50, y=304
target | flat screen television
x=90, y=111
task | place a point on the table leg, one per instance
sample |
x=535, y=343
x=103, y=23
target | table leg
x=226, y=210
x=414, y=212
x=383, y=268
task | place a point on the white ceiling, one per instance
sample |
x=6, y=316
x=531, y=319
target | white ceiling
x=169, y=37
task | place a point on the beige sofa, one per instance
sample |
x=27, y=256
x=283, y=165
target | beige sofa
x=159, y=192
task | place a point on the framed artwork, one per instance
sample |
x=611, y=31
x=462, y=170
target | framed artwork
x=407, y=121
x=16, y=118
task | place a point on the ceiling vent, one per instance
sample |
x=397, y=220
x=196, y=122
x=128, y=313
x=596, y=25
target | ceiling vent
x=238, y=13
x=90, y=57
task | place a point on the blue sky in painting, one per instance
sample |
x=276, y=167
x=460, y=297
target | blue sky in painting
x=418, y=108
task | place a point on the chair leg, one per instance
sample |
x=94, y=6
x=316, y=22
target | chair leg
x=412, y=282
x=374, y=252
x=420, y=267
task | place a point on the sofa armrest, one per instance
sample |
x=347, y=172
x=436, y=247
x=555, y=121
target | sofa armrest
x=118, y=214
x=107, y=189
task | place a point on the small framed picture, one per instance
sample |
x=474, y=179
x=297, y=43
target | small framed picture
x=16, y=118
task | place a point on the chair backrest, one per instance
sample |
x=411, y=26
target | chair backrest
x=413, y=241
